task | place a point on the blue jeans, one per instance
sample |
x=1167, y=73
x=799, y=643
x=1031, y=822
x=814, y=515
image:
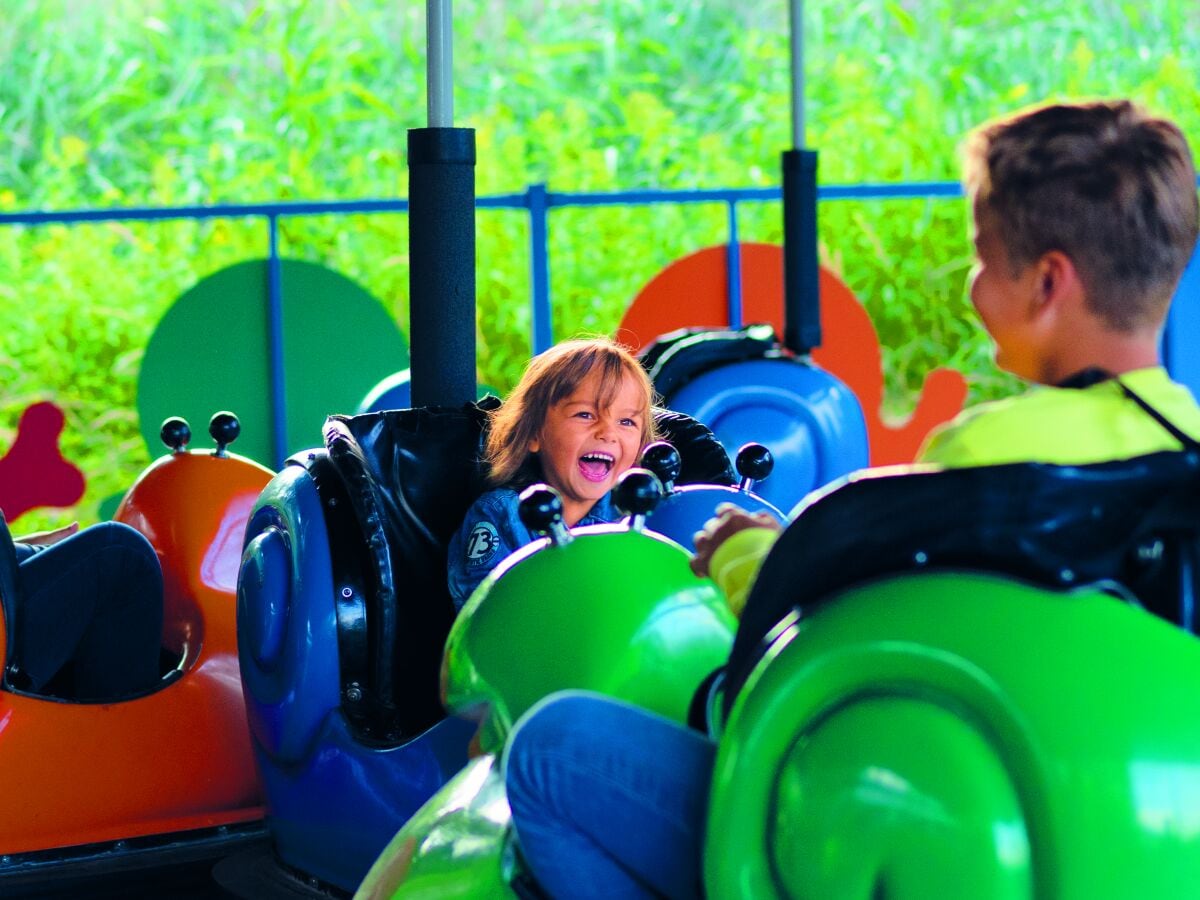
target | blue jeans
x=93, y=601
x=608, y=800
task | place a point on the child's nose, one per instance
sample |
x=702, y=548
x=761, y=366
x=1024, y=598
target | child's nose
x=606, y=426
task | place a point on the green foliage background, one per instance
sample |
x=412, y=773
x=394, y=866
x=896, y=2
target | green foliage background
x=148, y=102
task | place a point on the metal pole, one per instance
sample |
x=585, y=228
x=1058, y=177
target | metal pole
x=801, y=274
x=439, y=41
x=441, y=236
x=796, y=45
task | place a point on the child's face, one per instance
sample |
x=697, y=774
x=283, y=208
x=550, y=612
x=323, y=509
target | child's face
x=583, y=447
x=1002, y=300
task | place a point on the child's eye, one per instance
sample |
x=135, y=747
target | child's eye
x=629, y=423
x=583, y=414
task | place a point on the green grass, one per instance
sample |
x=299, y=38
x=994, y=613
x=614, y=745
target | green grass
x=126, y=102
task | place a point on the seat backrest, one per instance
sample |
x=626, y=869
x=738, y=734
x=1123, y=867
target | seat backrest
x=1133, y=524
x=409, y=477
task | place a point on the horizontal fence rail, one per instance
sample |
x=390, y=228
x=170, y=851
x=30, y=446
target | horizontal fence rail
x=536, y=200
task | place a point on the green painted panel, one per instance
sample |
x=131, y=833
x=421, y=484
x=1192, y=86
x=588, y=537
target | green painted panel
x=928, y=732
x=210, y=352
x=613, y=611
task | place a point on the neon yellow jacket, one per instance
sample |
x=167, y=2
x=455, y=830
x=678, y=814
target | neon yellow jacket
x=1068, y=426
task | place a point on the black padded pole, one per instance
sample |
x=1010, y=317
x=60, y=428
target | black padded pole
x=441, y=250
x=801, y=284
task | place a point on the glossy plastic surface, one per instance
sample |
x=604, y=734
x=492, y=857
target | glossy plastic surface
x=393, y=392
x=458, y=845
x=809, y=420
x=613, y=611
x=1182, y=322
x=193, y=507
x=684, y=511
x=287, y=624
x=963, y=735
x=332, y=814
x=333, y=801
x=179, y=758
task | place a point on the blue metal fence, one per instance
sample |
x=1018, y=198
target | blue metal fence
x=535, y=199
x=538, y=202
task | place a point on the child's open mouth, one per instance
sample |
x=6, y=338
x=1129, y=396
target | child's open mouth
x=596, y=465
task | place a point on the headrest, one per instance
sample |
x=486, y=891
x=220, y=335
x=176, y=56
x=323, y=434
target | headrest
x=682, y=356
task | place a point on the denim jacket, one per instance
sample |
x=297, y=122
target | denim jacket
x=490, y=531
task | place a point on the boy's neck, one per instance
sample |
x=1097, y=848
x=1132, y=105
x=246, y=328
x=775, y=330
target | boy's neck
x=1113, y=352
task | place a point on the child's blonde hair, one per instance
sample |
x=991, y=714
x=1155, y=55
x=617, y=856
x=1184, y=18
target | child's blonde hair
x=1109, y=185
x=550, y=377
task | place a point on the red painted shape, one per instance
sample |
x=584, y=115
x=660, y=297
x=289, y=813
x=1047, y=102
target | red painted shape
x=34, y=473
x=690, y=293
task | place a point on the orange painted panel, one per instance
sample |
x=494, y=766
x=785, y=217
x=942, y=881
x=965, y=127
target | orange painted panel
x=199, y=543
x=179, y=758
x=691, y=293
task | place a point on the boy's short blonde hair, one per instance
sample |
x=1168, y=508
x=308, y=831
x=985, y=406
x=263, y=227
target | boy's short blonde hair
x=550, y=377
x=1109, y=185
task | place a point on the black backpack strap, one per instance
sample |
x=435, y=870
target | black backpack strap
x=1094, y=375
x=1189, y=443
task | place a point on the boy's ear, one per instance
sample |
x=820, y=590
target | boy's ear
x=1057, y=281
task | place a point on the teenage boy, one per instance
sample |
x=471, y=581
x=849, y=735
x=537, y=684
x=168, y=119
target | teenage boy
x=1084, y=217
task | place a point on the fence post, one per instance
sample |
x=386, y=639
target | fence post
x=733, y=269
x=539, y=254
x=278, y=378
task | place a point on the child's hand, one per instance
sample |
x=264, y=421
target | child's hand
x=46, y=538
x=728, y=521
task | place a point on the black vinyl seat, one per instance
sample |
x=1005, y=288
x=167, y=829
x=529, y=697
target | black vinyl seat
x=1133, y=525
x=395, y=486
x=409, y=477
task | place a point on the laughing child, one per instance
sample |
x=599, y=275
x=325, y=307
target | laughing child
x=578, y=418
